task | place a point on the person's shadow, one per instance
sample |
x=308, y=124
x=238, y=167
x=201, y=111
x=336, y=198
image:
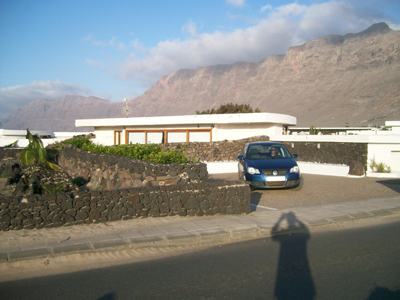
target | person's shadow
x=294, y=279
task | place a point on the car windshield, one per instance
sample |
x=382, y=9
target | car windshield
x=267, y=152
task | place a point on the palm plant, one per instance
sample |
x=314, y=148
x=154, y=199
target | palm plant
x=35, y=153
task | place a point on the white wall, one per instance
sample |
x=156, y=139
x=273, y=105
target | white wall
x=8, y=137
x=241, y=131
x=385, y=153
x=105, y=136
x=383, y=148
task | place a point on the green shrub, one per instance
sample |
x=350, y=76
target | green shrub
x=379, y=167
x=55, y=189
x=4, y=175
x=229, y=108
x=314, y=130
x=35, y=153
x=149, y=152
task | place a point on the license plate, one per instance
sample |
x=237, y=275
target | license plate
x=275, y=178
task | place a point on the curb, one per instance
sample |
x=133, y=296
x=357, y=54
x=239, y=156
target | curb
x=132, y=240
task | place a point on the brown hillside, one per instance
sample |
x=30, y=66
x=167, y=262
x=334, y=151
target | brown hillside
x=329, y=81
x=324, y=82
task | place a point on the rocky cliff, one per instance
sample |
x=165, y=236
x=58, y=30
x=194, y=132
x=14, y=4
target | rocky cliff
x=325, y=82
x=331, y=81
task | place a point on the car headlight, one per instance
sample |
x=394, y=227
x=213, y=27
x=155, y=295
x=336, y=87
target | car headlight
x=252, y=170
x=295, y=169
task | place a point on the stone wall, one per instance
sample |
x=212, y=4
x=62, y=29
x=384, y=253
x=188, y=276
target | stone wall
x=54, y=210
x=325, y=153
x=329, y=152
x=109, y=172
x=214, y=151
x=8, y=157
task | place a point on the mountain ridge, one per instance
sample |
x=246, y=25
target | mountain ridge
x=335, y=80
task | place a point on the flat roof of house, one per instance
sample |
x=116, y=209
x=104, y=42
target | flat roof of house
x=329, y=128
x=22, y=133
x=392, y=123
x=211, y=119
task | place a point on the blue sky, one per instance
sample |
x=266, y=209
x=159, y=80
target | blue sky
x=50, y=48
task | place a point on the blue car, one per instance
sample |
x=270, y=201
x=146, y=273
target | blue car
x=266, y=165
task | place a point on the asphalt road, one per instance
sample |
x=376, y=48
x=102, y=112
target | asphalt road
x=357, y=262
x=320, y=189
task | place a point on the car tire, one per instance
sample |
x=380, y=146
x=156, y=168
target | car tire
x=300, y=186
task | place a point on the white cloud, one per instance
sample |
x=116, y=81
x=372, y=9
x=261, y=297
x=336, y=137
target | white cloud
x=237, y=3
x=191, y=28
x=284, y=26
x=99, y=43
x=122, y=47
x=94, y=63
x=266, y=7
x=289, y=9
x=20, y=95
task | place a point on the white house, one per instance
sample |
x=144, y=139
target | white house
x=190, y=128
x=8, y=137
x=383, y=146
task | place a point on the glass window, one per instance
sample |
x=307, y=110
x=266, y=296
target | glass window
x=136, y=137
x=176, y=137
x=155, y=137
x=196, y=136
x=267, y=152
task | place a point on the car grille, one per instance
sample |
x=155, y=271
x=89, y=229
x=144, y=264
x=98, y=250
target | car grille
x=269, y=172
x=257, y=183
x=276, y=183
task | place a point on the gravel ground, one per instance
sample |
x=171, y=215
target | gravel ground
x=320, y=189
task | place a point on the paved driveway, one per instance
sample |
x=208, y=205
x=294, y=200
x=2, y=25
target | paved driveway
x=320, y=189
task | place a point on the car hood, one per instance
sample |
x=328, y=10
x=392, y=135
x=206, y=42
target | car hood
x=272, y=164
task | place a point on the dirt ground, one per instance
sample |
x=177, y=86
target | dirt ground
x=321, y=189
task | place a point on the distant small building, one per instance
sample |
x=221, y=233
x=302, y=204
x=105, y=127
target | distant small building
x=390, y=128
x=8, y=137
x=189, y=128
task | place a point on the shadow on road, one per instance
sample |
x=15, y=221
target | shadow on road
x=393, y=184
x=293, y=279
x=380, y=293
x=108, y=296
x=255, y=200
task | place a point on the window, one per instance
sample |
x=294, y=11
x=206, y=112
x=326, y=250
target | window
x=136, y=137
x=168, y=136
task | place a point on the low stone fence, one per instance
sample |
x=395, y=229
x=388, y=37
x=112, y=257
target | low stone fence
x=330, y=152
x=214, y=151
x=55, y=210
x=109, y=172
x=338, y=153
x=9, y=152
x=8, y=157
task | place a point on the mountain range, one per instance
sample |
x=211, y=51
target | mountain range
x=335, y=80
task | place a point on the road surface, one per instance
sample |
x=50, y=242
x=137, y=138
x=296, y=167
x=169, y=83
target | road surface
x=358, y=260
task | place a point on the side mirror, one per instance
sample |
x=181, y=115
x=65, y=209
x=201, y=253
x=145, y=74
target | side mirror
x=295, y=155
x=240, y=157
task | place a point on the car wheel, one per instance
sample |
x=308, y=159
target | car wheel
x=300, y=186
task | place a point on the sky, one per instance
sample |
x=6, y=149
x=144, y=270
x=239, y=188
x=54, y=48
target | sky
x=118, y=48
